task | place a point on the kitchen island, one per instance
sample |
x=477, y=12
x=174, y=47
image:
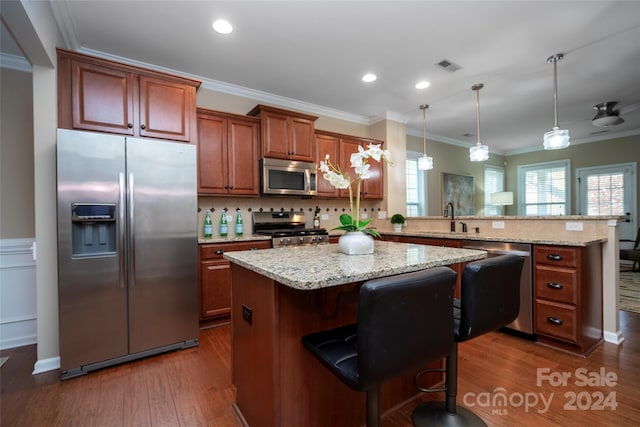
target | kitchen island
x=281, y=294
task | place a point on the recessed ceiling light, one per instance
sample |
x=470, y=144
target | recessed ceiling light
x=422, y=85
x=369, y=77
x=222, y=26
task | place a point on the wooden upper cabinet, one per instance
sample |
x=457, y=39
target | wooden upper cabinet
x=302, y=139
x=102, y=98
x=105, y=96
x=165, y=109
x=348, y=146
x=340, y=147
x=227, y=154
x=326, y=144
x=285, y=134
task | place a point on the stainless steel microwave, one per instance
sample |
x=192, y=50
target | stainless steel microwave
x=288, y=178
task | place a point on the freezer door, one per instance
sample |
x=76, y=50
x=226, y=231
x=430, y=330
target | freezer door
x=92, y=291
x=163, y=298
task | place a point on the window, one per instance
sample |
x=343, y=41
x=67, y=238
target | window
x=493, y=182
x=609, y=190
x=544, y=188
x=416, y=187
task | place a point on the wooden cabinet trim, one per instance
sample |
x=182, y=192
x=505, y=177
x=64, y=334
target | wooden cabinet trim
x=260, y=108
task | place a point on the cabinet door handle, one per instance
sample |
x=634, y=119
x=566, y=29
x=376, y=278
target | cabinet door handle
x=143, y=127
x=554, y=257
x=554, y=320
x=129, y=125
x=219, y=252
x=554, y=285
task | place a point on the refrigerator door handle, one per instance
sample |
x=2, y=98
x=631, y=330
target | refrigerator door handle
x=132, y=235
x=121, y=229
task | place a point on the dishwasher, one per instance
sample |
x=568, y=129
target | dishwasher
x=524, y=322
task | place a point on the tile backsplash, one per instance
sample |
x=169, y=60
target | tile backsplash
x=330, y=210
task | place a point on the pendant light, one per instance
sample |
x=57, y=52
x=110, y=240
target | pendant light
x=556, y=138
x=425, y=163
x=479, y=152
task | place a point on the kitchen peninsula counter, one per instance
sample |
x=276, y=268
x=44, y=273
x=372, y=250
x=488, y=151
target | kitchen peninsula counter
x=281, y=294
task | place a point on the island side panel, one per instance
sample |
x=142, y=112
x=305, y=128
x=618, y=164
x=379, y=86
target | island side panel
x=278, y=382
x=319, y=398
x=254, y=347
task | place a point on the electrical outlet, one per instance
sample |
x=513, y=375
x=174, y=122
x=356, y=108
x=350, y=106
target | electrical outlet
x=497, y=224
x=382, y=214
x=247, y=314
x=324, y=217
x=364, y=215
x=574, y=226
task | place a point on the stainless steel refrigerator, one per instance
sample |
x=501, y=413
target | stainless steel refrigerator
x=127, y=249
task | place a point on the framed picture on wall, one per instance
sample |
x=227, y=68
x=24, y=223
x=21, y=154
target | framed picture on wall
x=459, y=190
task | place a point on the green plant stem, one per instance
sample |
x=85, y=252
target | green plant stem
x=358, y=204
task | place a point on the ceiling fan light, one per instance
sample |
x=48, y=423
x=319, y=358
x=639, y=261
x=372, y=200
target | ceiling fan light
x=606, y=121
x=425, y=163
x=556, y=139
x=479, y=153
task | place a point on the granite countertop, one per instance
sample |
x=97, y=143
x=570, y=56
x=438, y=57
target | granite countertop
x=578, y=240
x=320, y=266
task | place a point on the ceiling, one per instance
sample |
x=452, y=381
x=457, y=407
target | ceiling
x=310, y=56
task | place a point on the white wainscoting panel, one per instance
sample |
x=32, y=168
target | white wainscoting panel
x=17, y=293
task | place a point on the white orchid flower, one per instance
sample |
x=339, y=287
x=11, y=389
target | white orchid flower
x=375, y=152
x=357, y=160
x=364, y=153
x=363, y=171
x=333, y=174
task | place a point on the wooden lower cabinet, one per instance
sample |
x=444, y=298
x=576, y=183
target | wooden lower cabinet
x=214, y=276
x=568, y=297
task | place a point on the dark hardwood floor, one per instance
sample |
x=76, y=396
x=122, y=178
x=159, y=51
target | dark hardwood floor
x=193, y=387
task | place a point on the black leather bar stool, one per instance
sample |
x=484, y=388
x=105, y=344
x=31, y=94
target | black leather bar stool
x=404, y=322
x=490, y=299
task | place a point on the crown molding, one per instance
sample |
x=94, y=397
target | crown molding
x=15, y=62
x=241, y=91
x=62, y=15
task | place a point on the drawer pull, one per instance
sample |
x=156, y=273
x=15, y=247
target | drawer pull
x=553, y=285
x=554, y=320
x=554, y=257
x=219, y=252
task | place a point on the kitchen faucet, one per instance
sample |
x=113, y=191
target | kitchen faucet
x=453, y=217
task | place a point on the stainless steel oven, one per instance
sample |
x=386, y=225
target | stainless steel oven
x=287, y=229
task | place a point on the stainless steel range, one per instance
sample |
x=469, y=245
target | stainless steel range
x=287, y=229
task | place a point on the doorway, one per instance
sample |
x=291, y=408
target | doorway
x=610, y=190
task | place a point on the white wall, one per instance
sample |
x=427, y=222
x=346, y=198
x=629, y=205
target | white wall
x=17, y=293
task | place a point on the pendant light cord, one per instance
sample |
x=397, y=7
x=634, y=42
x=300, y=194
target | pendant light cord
x=555, y=93
x=555, y=59
x=477, y=88
x=424, y=107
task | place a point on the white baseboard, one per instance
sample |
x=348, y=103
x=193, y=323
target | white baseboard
x=46, y=365
x=614, y=337
x=18, y=289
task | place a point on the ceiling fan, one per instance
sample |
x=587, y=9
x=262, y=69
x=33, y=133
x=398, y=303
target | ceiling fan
x=607, y=115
